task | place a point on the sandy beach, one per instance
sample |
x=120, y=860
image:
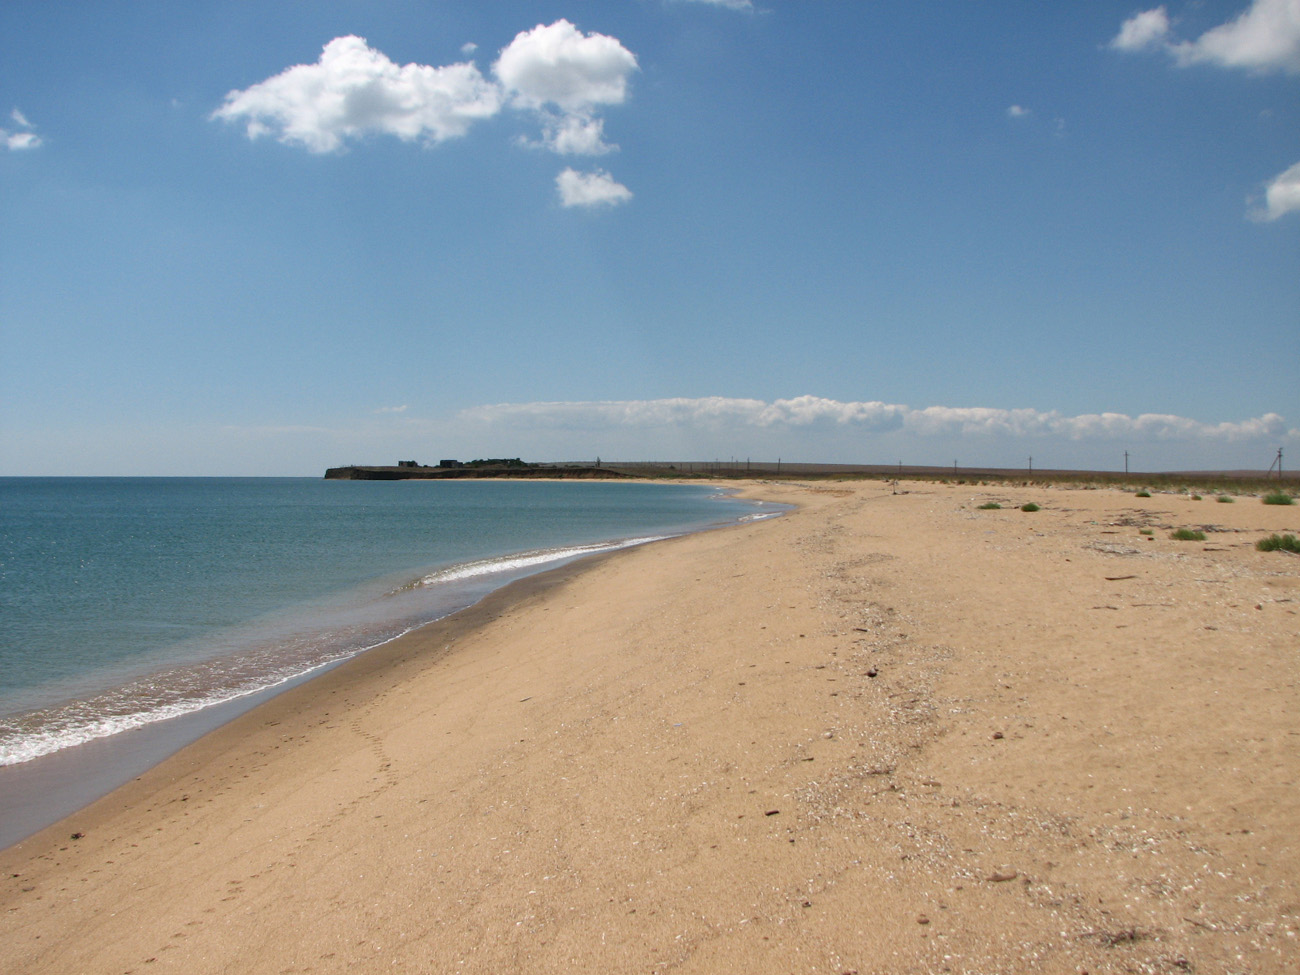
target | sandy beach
x=887, y=733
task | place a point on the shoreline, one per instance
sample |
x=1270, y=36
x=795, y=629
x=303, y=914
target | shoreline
x=71, y=778
x=882, y=733
x=217, y=733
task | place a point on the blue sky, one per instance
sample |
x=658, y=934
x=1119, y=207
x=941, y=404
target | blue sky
x=266, y=238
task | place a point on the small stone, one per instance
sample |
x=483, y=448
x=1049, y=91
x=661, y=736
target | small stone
x=922, y=920
x=998, y=735
x=872, y=672
x=1002, y=878
x=772, y=812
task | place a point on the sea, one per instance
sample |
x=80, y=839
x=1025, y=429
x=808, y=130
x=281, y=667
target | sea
x=130, y=605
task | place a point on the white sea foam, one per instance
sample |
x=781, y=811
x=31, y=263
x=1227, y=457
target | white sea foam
x=180, y=692
x=151, y=700
x=75, y=730
x=527, y=560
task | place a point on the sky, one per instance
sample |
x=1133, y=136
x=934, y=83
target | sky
x=264, y=238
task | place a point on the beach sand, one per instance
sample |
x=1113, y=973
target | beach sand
x=888, y=733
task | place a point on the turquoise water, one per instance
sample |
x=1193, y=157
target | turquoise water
x=129, y=601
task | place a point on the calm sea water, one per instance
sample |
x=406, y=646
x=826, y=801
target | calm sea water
x=128, y=601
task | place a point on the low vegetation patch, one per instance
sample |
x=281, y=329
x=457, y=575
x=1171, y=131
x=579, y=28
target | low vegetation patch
x=1278, y=497
x=990, y=506
x=1187, y=535
x=1225, y=499
x=1196, y=497
x=1144, y=493
x=1279, y=543
x=1029, y=507
x=1145, y=531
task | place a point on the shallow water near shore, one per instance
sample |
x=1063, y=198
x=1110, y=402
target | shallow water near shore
x=135, y=612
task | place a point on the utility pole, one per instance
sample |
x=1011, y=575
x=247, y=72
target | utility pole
x=1031, y=463
x=1126, y=463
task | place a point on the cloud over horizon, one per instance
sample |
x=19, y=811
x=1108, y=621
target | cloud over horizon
x=716, y=412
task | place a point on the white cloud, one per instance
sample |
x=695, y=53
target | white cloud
x=19, y=141
x=1281, y=196
x=576, y=135
x=590, y=189
x=1142, y=30
x=1264, y=37
x=391, y=409
x=354, y=91
x=556, y=72
x=468, y=48
x=558, y=65
x=565, y=77
x=1018, y=111
x=724, y=413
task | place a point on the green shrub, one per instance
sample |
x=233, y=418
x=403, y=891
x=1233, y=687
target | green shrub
x=1187, y=535
x=1029, y=507
x=990, y=506
x=1225, y=499
x=1196, y=497
x=1144, y=493
x=1145, y=531
x=1278, y=497
x=1275, y=543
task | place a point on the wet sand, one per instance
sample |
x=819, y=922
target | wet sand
x=886, y=733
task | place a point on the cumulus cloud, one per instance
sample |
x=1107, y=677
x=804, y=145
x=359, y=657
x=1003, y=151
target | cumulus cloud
x=354, y=91
x=1143, y=30
x=1281, y=195
x=590, y=189
x=717, y=412
x=1018, y=111
x=554, y=72
x=1264, y=37
x=558, y=65
x=24, y=138
x=574, y=135
x=566, y=77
